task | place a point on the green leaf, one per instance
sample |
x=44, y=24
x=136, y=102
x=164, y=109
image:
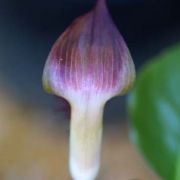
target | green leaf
x=154, y=108
x=177, y=174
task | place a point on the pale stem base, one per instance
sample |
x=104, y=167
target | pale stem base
x=85, y=141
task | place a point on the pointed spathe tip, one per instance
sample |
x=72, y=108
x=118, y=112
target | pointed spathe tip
x=101, y=4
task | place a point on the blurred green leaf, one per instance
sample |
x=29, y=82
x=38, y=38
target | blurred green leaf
x=154, y=108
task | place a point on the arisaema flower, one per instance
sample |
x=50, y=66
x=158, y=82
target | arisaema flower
x=89, y=64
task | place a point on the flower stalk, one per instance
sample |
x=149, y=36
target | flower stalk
x=85, y=139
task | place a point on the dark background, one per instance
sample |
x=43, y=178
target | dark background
x=29, y=28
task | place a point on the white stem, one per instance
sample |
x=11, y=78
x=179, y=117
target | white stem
x=85, y=140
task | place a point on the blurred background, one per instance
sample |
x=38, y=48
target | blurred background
x=27, y=31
